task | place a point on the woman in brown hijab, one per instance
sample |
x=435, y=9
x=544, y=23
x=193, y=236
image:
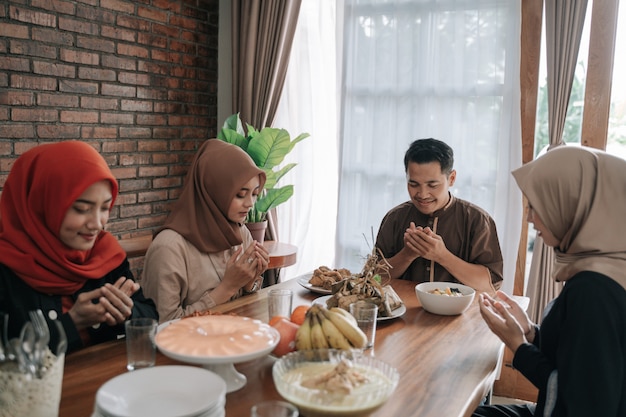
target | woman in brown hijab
x=577, y=358
x=204, y=255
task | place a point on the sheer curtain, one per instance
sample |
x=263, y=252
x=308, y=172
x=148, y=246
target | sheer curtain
x=416, y=69
x=309, y=104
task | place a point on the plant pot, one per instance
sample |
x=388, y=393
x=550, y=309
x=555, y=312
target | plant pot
x=257, y=230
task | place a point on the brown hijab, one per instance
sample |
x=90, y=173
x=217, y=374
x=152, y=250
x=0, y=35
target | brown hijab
x=216, y=175
x=580, y=194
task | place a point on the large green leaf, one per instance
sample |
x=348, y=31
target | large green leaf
x=273, y=197
x=231, y=136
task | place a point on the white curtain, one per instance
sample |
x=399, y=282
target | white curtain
x=309, y=104
x=411, y=69
x=417, y=69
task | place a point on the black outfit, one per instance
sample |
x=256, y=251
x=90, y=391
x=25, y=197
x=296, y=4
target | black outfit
x=583, y=338
x=17, y=299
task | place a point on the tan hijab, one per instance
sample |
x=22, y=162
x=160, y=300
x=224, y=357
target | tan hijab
x=580, y=194
x=216, y=175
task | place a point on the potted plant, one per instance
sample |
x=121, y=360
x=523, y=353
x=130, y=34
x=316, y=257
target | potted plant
x=267, y=148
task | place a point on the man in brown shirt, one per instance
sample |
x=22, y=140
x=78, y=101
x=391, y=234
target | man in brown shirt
x=436, y=236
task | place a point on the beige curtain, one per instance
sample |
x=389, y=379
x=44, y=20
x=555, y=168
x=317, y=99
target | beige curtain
x=262, y=35
x=564, y=26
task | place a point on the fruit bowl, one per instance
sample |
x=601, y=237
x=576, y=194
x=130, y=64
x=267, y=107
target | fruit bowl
x=443, y=304
x=292, y=369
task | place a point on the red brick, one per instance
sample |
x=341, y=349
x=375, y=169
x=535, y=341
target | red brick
x=166, y=182
x=112, y=61
x=134, y=159
x=63, y=7
x=169, y=31
x=153, y=40
x=57, y=100
x=137, y=105
x=80, y=57
x=52, y=36
x=54, y=69
x=133, y=23
x=118, y=90
x=151, y=93
x=96, y=74
x=78, y=87
x=14, y=64
x=68, y=116
x=135, y=132
x=134, y=185
x=99, y=103
x=34, y=115
x=184, y=47
x=124, y=172
x=21, y=147
x=150, y=196
x=6, y=148
x=165, y=56
x=132, y=50
x=153, y=67
x=32, y=49
x=152, y=146
x=4, y=113
x=165, y=133
x=32, y=16
x=194, y=12
x=152, y=14
x=33, y=83
x=123, y=146
x=8, y=30
x=95, y=44
x=119, y=226
x=151, y=119
x=134, y=78
x=152, y=221
x=16, y=98
x=74, y=25
x=164, y=158
x=116, y=118
x=120, y=6
x=126, y=199
x=16, y=131
x=58, y=131
x=183, y=22
x=96, y=14
x=117, y=33
x=97, y=132
x=154, y=171
x=5, y=165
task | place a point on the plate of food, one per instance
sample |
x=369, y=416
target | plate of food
x=322, y=279
x=395, y=313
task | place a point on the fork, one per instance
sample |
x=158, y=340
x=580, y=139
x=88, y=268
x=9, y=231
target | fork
x=43, y=337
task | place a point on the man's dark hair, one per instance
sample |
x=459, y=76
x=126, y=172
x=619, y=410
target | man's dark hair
x=423, y=151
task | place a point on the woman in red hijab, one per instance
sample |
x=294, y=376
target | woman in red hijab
x=54, y=252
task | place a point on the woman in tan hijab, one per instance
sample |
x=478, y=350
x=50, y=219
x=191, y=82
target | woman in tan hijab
x=204, y=255
x=577, y=358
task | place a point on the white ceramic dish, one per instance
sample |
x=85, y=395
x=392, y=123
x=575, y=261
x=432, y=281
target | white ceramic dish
x=398, y=312
x=304, y=281
x=443, y=304
x=196, y=346
x=161, y=391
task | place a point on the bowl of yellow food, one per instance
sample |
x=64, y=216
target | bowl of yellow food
x=332, y=382
x=444, y=298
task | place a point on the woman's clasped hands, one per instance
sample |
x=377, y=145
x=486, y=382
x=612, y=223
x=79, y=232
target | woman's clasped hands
x=506, y=319
x=110, y=304
x=245, y=268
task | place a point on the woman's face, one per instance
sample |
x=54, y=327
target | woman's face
x=244, y=200
x=547, y=236
x=86, y=217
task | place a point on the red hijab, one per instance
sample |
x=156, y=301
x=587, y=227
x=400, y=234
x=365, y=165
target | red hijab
x=42, y=185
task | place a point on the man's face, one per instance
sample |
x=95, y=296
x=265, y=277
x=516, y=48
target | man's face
x=428, y=186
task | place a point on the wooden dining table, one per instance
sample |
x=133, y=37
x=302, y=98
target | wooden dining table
x=447, y=364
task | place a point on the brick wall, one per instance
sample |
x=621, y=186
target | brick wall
x=135, y=79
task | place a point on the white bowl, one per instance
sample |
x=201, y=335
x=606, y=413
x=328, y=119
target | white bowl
x=362, y=401
x=443, y=304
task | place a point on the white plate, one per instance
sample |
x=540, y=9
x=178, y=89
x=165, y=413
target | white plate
x=161, y=391
x=304, y=281
x=394, y=313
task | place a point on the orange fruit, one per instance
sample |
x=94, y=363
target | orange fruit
x=299, y=313
x=276, y=319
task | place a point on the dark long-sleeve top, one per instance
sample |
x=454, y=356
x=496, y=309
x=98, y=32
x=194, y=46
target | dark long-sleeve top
x=583, y=338
x=17, y=299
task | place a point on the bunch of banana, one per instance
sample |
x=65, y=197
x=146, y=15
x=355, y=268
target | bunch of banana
x=333, y=328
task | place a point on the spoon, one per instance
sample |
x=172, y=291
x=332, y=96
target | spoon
x=27, y=347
